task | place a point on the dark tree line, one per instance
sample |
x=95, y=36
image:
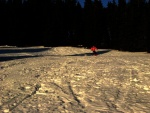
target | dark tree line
x=123, y=26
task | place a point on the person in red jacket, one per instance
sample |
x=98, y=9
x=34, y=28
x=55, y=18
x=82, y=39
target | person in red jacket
x=93, y=48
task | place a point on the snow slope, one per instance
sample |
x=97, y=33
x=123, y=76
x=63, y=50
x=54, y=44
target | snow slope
x=72, y=80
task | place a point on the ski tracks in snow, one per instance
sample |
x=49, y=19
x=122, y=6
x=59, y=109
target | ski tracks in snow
x=115, y=82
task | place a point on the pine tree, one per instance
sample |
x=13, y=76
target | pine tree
x=121, y=4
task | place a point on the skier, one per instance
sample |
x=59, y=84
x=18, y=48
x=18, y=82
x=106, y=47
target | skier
x=93, y=48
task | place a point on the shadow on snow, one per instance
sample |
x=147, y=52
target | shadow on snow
x=14, y=52
x=91, y=54
x=21, y=50
x=7, y=58
x=30, y=50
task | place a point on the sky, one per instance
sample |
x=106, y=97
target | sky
x=104, y=2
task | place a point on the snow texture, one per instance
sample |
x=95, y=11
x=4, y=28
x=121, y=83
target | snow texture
x=72, y=80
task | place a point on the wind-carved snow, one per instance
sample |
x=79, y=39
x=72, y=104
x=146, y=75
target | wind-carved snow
x=72, y=80
x=68, y=51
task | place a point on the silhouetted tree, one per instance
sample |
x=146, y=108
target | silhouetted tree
x=112, y=21
x=99, y=24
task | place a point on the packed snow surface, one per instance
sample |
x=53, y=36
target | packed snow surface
x=73, y=80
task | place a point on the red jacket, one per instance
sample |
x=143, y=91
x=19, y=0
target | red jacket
x=93, y=48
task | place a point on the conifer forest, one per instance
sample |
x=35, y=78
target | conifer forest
x=122, y=25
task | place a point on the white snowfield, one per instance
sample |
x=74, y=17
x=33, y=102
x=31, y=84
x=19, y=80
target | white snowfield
x=72, y=80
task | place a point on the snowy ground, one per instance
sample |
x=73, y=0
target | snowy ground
x=71, y=80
